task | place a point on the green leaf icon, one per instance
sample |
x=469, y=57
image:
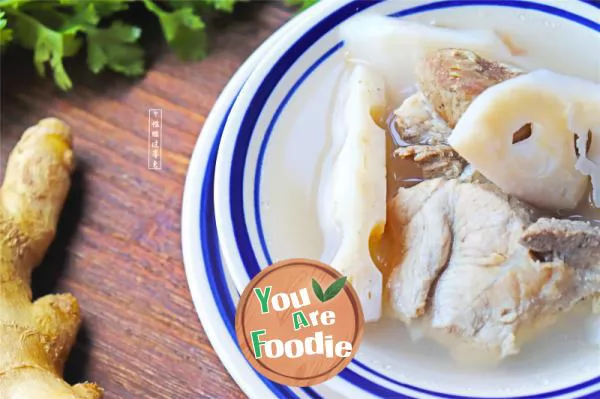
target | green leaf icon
x=318, y=290
x=334, y=288
x=330, y=292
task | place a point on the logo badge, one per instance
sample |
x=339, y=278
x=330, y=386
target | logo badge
x=299, y=322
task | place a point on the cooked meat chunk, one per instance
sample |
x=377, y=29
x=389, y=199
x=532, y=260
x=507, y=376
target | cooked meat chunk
x=451, y=78
x=418, y=125
x=439, y=219
x=467, y=279
x=435, y=160
x=420, y=212
x=417, y=122
x=575, y=242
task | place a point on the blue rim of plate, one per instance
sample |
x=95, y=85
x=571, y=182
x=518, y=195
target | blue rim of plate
x=217, y=280
x=249, y=121
x=213, y=264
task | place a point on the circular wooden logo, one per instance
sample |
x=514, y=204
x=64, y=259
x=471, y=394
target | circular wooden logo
x=299, y=322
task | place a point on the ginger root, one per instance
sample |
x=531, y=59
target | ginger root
x=35, y=338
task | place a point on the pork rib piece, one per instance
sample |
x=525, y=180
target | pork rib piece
x=576, y=242
x=449, y=80
x=417, y=122
x=435, y=160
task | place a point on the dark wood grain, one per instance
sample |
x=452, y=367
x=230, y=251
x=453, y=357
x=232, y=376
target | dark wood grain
x=118, y=247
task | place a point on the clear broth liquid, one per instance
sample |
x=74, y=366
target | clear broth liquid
x=387, y=252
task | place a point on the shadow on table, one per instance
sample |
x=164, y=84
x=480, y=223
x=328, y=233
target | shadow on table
x=46, y=276
x=76, y=366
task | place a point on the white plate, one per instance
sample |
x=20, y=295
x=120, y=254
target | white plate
x=268, y=172
x=213, y=294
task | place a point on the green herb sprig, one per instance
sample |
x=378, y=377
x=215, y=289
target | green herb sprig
x=57, y=29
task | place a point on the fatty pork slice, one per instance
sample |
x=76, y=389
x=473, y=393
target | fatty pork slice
x=467, y=280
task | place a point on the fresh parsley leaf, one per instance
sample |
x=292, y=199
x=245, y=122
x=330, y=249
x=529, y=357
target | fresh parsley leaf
x=105, y=8
x=84, y=16
x=177, y=4
x=6, y=34
x=67, y=23
x=183, y=30
x=190, y=45
x=55, y=29
x=48, y=45
x=13, y=3
x=317, y=290
x=222, y=5
x=202, y=6
x=334, y=288
x=116, y=48
x=303, y=4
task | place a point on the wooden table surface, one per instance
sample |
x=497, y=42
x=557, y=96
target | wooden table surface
x=118, y=246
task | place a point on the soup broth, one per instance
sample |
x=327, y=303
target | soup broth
x=388, y=252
